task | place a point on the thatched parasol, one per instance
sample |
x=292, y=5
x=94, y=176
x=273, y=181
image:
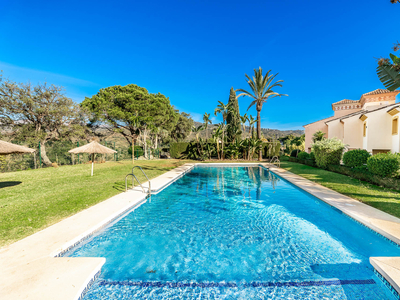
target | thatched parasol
x=9, y=148
x=93, y=148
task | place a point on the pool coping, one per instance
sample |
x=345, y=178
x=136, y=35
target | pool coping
x=33, y=269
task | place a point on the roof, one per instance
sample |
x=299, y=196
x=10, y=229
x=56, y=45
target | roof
x=379, y=91
x=318, y=121
x=9, y=148
x=364, y=112
x=346, y=101
x=93, y=147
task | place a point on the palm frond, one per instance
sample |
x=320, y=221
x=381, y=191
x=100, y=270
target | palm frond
x=389, y=77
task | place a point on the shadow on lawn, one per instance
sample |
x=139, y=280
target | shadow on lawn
x=5, y=184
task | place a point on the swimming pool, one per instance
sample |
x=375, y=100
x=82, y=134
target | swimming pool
x=236, y=233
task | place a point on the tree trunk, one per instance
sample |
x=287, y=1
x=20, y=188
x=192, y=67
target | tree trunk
x=222, y=147
x=43, y=154
x=133, y=150
x=259, y=134
x=145, y=143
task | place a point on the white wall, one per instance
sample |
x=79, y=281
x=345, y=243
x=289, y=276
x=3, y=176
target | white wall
x=353, y=132
x=379, y=130
x=335, y=129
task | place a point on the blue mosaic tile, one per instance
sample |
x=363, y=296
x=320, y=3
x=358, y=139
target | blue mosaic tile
x=387, y=284
x=233, y=284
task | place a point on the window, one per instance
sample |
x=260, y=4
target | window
x=395, y=126
x=365, y=129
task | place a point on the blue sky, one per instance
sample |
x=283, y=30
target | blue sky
x=195, y=51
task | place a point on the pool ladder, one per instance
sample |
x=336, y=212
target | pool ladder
x=133, y=180
x=275, y=161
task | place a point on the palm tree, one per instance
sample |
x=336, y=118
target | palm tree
x=243, y=120
x=216, y=137
x=206, y=120
x=252, y=121
x=318, y=136
x=223, y=109
x=261, y=90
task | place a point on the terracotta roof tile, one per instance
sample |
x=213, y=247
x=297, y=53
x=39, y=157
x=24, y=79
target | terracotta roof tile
x=378, y=91
x=346, y=101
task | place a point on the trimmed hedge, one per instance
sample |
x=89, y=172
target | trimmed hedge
x=355, y=158
x=294, y=153
x=384, y=164
x=303, y=155
x=365, y=175
x=293, y=159
x=328, y=152
x=176, y=150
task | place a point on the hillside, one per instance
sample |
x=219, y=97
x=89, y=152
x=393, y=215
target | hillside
x=267, y=132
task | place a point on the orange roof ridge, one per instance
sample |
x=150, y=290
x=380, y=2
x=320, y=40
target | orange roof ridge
x=379, y=91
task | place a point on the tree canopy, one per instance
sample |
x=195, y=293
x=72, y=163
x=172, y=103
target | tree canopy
x=39, y=113
x=132, y=111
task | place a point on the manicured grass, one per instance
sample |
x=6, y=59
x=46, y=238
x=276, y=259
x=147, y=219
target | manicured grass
x=32, y=200
x=381, y=198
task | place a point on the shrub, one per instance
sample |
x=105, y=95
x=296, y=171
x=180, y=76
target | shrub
x=177, y=149
x=355, y=158
x=138, y=151
x=303, y=155
x=294, y=153
x=328, y=152
x=293, y=159
x=384, y=164
x=312, y=156
x=365, y=175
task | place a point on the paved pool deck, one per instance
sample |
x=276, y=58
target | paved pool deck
x=30, y=268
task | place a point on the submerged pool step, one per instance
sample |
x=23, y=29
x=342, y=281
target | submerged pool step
x=233, y=284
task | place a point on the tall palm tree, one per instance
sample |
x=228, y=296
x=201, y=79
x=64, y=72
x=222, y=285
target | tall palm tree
x=261, y=90
x=243, y=120
x=252, y=121
x=206, y=120
x=222, y=109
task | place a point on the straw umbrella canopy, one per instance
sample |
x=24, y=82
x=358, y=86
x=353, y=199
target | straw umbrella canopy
x=9, y=148
x=93, y=148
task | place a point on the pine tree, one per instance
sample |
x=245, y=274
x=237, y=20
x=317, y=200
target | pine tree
x=233, y=118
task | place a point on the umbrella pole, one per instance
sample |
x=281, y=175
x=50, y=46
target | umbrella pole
x=92, y=162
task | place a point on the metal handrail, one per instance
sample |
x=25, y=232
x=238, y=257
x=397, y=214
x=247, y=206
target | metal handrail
x=134, y=177
x=275, y=160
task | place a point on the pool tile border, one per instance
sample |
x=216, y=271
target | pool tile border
x=234, y=284
x=387, y=284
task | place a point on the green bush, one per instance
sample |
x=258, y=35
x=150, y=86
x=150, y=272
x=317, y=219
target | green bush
x=176, y=150
x=384, y=164
x=312, y=156
x=365, y=175
x=294, y=153
x=293, y=159
x=303, y=155
x=328, y=152
x=355, y=158
x=138, y=151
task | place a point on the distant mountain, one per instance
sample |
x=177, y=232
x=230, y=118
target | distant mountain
x=267, y=132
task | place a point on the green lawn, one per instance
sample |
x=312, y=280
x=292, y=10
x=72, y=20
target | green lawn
x=381, y=198
x=32, y=200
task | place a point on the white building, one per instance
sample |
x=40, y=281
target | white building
x=370, y=123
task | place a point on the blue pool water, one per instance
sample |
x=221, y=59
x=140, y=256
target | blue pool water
x=236, y=233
